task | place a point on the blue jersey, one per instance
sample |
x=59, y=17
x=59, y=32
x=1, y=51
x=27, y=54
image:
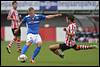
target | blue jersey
x=32, y=23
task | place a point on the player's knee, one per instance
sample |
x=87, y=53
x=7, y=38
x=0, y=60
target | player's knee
x=76, y=47
x=50, y=47
x=18, y=39
x=39, y=44
x=53, y=47
x=28, y=43
x=15, y=38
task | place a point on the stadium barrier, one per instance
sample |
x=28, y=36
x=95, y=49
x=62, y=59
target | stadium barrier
x=47, y=34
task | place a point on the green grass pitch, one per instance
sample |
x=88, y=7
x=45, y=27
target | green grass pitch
x=88, y=57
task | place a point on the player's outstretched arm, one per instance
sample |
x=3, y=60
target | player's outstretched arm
x=52, y=16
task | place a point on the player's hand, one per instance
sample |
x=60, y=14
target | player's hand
x=20, y=16
x=64, y=29
x=15, y=31
x=70, y=37
x=14, y=20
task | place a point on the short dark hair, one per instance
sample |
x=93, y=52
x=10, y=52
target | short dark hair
x=72, y=18
x=14, y=2
x=30, y=8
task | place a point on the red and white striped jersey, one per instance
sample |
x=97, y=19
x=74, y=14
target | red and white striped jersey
x=14, y=14
x=70, y=29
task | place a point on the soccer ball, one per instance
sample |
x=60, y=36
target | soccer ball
x=22, y=58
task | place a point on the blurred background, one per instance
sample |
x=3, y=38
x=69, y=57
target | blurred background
x=51, y=31
x=85, y=12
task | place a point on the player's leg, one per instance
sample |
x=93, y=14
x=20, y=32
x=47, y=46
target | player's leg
x=25, y=47
x=54, y=48
x=18, y=41
x=58, y=49
x=84, y=47
x=36, y=51
x=38, y=42
x=29, y=41
x=11, y=42
x=18, y=44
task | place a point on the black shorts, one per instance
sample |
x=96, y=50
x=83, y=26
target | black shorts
x=63, y=46
x=18, y=33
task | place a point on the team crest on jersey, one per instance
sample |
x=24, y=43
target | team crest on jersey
x=37, y=17
x=31, y=22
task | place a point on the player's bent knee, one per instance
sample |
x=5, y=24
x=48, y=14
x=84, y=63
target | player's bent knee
x=50, y=47
x=39, y=44
x=28, y=43
x=76, y=47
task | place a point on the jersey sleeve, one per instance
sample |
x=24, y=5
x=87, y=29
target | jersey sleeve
x=10, y=13
x=42, y=17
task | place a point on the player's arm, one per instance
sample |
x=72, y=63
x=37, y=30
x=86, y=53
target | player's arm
x=9, y=17
x=68, y=33
x=22, y=21
x=64, y=29
x=52, y=16
x=72, y=32
x=20, y=24
x=18, y=27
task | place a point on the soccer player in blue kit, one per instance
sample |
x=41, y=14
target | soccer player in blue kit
x=32, y=21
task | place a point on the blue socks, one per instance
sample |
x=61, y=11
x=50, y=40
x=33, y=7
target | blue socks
x=24, y=49
x=37, y=50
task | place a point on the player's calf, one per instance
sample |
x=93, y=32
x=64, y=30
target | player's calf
x=60, y=53
x=18, y=45
x=11, y=42
x=84, y=47
x=56, y=50
x=10, y=45
x=53, y=48
x=25, y=47
x=37, y=50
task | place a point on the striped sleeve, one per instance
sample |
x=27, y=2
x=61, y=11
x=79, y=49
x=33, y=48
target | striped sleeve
x=10, y=13
x=73, y=29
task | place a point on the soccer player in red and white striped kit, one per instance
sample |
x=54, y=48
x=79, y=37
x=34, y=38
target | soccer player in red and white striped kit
x=70, y=40
x=15, y=20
